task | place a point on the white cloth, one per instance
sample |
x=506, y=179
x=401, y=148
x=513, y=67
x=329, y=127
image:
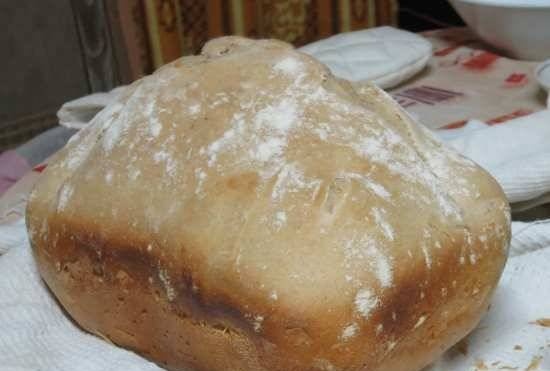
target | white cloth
x=12, y=235
x=528, y=237
x=77, y=113
x=385, y=56
x=516, y=153
x=520, y=300
x=35, y=334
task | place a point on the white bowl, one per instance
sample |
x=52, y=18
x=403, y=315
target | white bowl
x=520, y=28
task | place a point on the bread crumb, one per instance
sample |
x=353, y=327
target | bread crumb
x=535, y=363
x=544, y=322
x=480, y=365
x=461, y=347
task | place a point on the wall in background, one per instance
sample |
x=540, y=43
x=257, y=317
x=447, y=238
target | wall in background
x=40, y=66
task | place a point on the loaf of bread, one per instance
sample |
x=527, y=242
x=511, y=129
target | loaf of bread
x=243, y=209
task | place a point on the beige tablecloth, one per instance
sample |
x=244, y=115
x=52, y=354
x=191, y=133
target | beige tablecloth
x=466, y=80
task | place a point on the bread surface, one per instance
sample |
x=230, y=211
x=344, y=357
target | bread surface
x=245, y=210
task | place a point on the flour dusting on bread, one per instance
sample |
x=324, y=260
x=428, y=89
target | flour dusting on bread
x=267, y=215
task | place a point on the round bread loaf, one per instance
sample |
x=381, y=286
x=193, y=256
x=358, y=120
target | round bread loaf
x=245, y=210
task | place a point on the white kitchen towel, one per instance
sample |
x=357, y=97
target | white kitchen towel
x=515, y=332
x=35, y=334
x=11, y=235
x=385, y=55
x=76, y=114
x=528, y=237
x=516, y=153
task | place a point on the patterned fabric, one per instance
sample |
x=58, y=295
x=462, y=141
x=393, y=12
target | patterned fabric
x=181, y=27
x=130, y=39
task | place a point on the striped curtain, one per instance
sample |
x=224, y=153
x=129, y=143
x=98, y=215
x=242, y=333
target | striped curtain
x=181, y=27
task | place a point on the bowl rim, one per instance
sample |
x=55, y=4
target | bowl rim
x=508, y=4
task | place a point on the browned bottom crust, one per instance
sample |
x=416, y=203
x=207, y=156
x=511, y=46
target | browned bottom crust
x=121, y=300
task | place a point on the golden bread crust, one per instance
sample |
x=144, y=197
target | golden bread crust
x=245, y=210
